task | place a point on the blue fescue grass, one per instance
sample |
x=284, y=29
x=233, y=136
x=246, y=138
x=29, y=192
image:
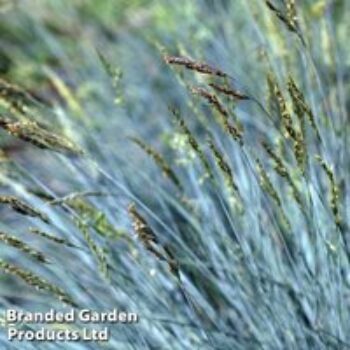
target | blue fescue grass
x=254, y=272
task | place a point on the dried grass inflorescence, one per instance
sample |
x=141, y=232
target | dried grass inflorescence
x=212, y=99
x=22, y=246
x=32, y=132
x=282, y=171
x=199, y=67
x=225, y=169
x=287, y=121
x=236, y=95
x=23, y=208
x=266, y=183
x=94, y=248
x=272, y=101
x=290, y=24
x=150, y=241
x=297, y=135
x=50, y=237
x=334, y=190
x=37, y=282
x=279, y=164
x=300, y=105
x=298, y=102
x=193, y=143
x=116, y=76
x=300, y=151
x=159, y=160
x=14, y=98
x=292, y=13
x=289, y=19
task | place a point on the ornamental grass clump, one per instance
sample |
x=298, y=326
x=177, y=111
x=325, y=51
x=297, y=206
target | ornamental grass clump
x=240, y=237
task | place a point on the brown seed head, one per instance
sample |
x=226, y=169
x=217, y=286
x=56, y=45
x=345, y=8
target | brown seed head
x=236, y=95
x=193, y=65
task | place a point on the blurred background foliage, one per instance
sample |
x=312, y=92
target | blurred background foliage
x=50, y=47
